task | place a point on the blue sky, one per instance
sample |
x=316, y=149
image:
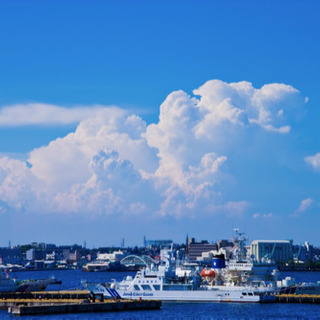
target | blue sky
x=123, y=174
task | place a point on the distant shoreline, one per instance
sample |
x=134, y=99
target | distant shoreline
x=300, y=268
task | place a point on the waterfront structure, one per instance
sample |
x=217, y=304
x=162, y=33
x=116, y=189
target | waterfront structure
x=196, y=249
x=224, y=244
x=275, y=250
x=34, y=254
x=157, y=243
x=303, y=253
x=10, y=256
x=52, y=256
x=114, y=256
x=74, y=256
x=137, y=261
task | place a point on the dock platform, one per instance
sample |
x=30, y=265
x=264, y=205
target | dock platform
x=298, y=298
x=78, y=301
x=61, y=294
x=110, y=306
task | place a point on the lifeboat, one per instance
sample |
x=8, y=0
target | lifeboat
x=208, y=273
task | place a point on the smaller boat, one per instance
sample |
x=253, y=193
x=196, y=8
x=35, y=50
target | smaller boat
x=36, y=284
x=289, y=286
x=9, y=284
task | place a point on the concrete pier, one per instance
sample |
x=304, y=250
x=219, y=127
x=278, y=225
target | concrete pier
x=61, y=294
x=77, y=301
x=122, y=305
x=6, y=304
x=298, y=298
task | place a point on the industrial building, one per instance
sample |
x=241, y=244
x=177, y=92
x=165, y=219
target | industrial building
x=275, y=250
x=196, y=249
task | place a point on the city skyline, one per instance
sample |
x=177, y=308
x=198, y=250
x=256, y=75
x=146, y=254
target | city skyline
x=121, y=119
x=145, y=243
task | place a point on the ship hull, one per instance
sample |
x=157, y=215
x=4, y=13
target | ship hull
x=215, y=295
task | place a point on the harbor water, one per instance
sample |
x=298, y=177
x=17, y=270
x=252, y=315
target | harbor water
x=71, y=279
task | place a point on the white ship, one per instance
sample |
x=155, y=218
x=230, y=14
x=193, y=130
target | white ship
x=162, y=283
x=155, y=287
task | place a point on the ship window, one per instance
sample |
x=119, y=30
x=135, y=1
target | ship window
x=244, y=293
x=146, y=287
x=136, y=287
x=250, y=294
x=157, y=287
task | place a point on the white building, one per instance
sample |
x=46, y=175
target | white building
x=275, y=250
x=116, y=255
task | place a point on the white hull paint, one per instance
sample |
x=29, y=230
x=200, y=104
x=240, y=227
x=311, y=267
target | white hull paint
x=217, y=294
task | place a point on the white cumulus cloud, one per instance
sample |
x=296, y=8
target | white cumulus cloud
x=314, y=161
x=304, y=205
x=114, y=163
x=239, y=103
x=113, y=187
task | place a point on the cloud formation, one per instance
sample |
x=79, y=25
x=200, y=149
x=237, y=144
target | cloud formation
x=44, y=114
x=314, y=161
x=304, y=205
x=114, y=163
x=263, y=215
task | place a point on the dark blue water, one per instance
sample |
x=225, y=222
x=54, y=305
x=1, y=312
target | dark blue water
x=171, y=311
